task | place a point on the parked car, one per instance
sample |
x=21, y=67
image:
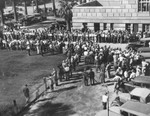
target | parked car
x=32, y=19
x=134, y=45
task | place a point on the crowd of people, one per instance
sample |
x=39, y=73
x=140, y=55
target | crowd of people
x=127, y=64
x=48, y=38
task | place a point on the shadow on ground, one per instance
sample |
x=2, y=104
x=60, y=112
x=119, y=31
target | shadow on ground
x=65, y=89
x=57, y=109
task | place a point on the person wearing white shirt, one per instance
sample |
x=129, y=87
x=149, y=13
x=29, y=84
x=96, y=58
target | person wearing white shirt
x=132, y=75
x=104, y=100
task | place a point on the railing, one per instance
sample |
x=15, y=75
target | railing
x=33, y=97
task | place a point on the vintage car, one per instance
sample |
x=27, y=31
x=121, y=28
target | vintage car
x=134, y=45
x=32, y=19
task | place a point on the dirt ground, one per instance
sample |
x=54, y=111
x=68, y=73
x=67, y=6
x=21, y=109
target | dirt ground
x=71, y=98
x=18, y=69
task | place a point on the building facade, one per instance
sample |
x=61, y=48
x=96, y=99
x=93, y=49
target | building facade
x=131, y=15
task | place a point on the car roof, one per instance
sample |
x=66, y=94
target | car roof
x=145, y=39
x=137, y=108
x=140, y=92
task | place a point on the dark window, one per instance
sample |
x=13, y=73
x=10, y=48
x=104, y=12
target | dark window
x=105, y=26
x=85, y=28
x=132, y=115
x=146, y=27
x=111, y=26
x=136, y=98
x=123, y=113
x=135, y=28
x=143, y=5
x=96, y=27
x=128, y=27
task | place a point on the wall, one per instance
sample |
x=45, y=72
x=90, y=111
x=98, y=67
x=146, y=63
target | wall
x=119, y=13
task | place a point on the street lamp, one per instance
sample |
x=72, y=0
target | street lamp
x=107, y=100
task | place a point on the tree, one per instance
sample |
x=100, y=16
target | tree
x=15, y=11
x=37, y=5
x=54, y=8
x=25, y=7
x=65, y=11
x=2, y=5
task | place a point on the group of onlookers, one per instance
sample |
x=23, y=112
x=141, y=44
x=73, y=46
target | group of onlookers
x=18, y=38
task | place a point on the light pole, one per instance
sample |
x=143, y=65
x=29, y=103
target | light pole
x=107, y=100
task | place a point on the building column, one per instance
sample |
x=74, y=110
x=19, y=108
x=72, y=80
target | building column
x=131, y=28
x=101, y=26
x=108, y=26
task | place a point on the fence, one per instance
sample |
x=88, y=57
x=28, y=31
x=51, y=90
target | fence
x=33, y=97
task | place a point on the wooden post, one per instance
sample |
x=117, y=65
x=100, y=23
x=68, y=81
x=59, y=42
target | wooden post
x=15, y=107
x=44, y=80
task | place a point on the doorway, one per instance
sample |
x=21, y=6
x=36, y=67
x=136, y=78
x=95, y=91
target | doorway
x=96, y=27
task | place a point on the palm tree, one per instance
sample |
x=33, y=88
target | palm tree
x=65, y=12
x=25, y=7
x=2, y=5
x=54, y=8
x=37, y=6
x=15, y=11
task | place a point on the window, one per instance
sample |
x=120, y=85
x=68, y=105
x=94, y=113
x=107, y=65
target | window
x=136, y=98
x=133, y=115
x=128, y=27
x=111, y=26
x=105, y=26
x=146, y=27
x=96, y=27
x=143, y=5
x=124, y=113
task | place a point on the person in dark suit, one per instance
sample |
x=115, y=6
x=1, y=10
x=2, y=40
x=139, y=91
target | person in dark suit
x=91, y=75
x=26, y=93
x=85, y=78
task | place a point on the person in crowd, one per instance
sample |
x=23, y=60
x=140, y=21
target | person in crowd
x=85, y=77
x=28, y=47
x=108, y=67
x=54, y=74
x=102, y=76
x=26, y=93
x=138, y=71
x=92, y=76
x=105, y=100
x=132, y=75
